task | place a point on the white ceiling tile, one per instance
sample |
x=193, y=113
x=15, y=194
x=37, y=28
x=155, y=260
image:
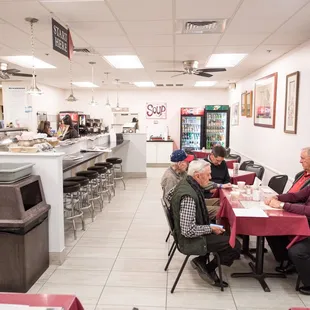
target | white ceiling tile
x=138, y=10
x=243, y=39
x=151, y=40
x=96, y=29
x=148, y=27
x=205, y=8
x=193, y=52
x=115, y=51
x=274, y=48
x=155, y=53
x=229, y=49
x=80, y=11
x=197, y=39
x=288, y=38
x=109, y=41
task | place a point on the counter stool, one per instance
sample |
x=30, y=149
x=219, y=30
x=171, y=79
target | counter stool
x=103, y=180
x=93, y=186
x=84, y=198
x=118, y=169
x=110, y=176
x=72, y=209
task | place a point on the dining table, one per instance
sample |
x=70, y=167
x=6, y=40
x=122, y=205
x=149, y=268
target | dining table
x=246, y=176
x=67, y=302
x=275, y=222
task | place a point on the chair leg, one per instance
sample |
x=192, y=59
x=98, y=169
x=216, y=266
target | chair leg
x=170, y=257
x=220, y=270
x=179, y=274
x=172, y=246
x=168, y=236
x=297, y=283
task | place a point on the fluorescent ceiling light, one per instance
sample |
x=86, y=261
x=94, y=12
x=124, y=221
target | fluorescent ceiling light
x=144, y=84
x=124, y=61
x=205, y=83
x=224, y=60
x=84, y=84
x=27, y=62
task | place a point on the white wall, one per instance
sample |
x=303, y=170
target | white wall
x=136, y=101
x=273, y=148
x=15, y=109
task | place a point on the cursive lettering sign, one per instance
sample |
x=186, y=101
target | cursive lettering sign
x=156, y=110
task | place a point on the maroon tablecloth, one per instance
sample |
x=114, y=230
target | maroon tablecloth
x=68, y=302
x=246, y=176
x=278, y=222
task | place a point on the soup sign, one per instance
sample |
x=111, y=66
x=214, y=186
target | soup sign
x=156, y=110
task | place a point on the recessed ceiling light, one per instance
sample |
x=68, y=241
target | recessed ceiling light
x=124, y=61
x=84, y=84
x=28, y=62
x=144, y=84
x=205, y=83
x=224, y=60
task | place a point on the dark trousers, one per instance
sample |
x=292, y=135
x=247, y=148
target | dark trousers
x=278, y=246
x=220, y=244
x=299, y=254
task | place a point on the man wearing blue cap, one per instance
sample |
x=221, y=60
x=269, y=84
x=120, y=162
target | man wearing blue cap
x=177, y=171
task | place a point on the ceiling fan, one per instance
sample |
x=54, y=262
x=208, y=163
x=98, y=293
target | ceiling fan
x=191, y=68
x=5, y=72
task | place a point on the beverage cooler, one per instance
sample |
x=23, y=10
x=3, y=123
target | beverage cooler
x=217, y=121
x=192, y=128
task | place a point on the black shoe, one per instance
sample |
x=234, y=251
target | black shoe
x=288, y=269
x=210, y=277
x=305, y=290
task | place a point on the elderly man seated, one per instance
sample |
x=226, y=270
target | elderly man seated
x=299, y=253
x=177, y=171
x=192, y=224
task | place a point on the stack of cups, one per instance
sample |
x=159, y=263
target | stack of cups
x=235, y=168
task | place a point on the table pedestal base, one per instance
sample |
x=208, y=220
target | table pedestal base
x=258, y=269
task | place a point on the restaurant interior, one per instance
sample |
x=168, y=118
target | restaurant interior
x=97, y=100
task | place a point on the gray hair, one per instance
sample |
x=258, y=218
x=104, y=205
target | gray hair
x=306, y=149
x=197, y=166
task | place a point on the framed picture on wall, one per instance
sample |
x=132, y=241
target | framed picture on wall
x=291, y=103
x=265, y=100
x=249, y=105
x=243, y=104
x=235, y=114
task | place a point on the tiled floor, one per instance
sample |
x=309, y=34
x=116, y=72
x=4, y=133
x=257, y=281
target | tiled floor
x=118, y=264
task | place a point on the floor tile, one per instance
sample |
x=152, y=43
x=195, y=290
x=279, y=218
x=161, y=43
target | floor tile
x=145, y=253
x=35, y=288
x=133, y=297
x=137, y=279
x=113, y=307
x=200, y=299
x=139, y=265
x=83, y=277
x=266, y=300
x=305, y=299
x=86, y=294
x=105, y=233
x=78, y=263
x=144, y=243
x=94, y=252
x=100, y=242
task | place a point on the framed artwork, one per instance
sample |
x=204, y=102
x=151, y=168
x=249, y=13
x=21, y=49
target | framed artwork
x=249, y=101
x=291, y=103
x=243, y=104
x=265, y=100
x=235, y=114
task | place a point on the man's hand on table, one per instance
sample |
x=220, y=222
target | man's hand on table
x=274, y=203
x=227, y=185
x=269, y=199
x=217, y=230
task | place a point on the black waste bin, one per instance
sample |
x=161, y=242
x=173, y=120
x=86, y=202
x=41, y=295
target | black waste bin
x=24, y=250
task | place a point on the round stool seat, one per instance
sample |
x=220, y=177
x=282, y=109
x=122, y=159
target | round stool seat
x=83, y=181
x=114, y=160
x=104, y=164
x=99, y=169
x=91, y=175
x=70, y=187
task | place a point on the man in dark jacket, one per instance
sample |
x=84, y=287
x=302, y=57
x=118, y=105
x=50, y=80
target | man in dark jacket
x=299, y=253
x=192, y=224
x=219, y=170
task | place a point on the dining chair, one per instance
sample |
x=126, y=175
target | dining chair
x=278, y=182
x=234, y=156
x=227, y=152
x=258, y=169
x=175, y=246
x=245, y=163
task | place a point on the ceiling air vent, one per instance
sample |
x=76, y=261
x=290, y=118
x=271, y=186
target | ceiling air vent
x=84, y=51
x=179, y=85
x=169, y=85
x=204, y=26
x=160, y=85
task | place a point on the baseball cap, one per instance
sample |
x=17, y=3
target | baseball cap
x=180, y=155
